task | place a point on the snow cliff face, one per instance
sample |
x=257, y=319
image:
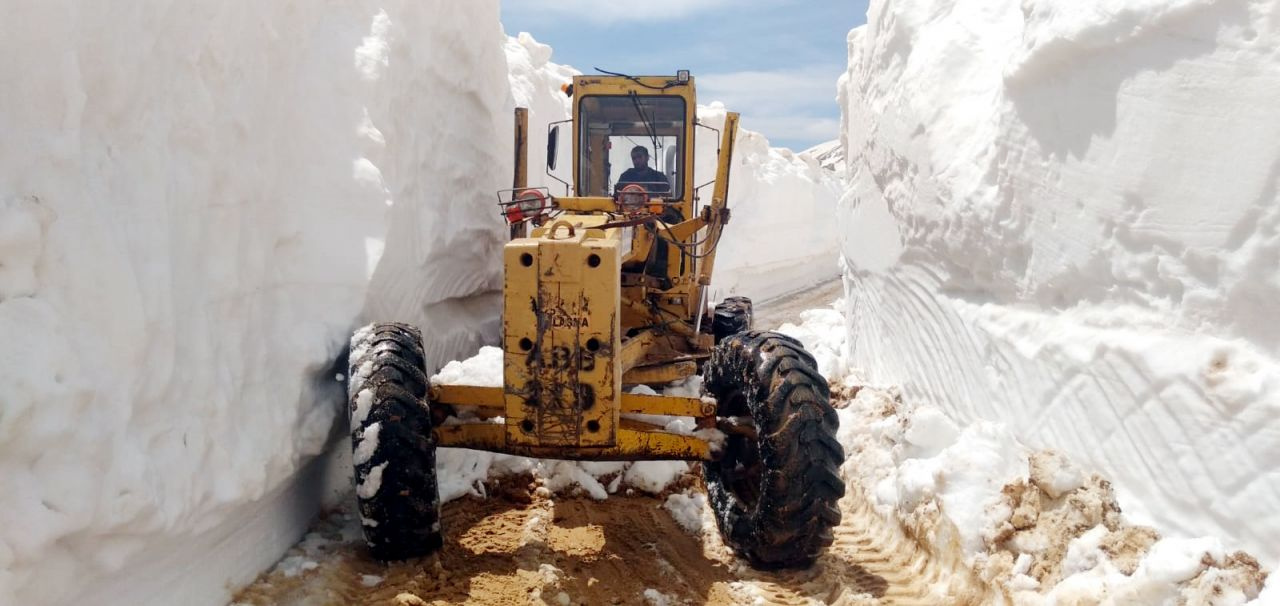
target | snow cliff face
x=198, y=202
x=1066, y=218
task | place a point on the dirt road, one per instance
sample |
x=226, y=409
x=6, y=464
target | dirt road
x=521, y=547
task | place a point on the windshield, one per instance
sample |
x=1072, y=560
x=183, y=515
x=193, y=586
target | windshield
x=631, y=139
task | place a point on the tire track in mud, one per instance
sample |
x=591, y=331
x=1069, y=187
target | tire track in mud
x=519, y=548
x=871, y=562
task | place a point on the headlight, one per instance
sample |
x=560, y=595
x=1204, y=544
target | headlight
x=632, y=198
x=526, y=204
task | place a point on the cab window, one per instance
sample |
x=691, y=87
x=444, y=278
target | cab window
x=613, y=130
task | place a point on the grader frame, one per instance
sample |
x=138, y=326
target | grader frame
x=584, y=316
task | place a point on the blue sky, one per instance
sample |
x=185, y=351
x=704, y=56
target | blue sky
x=775, y=61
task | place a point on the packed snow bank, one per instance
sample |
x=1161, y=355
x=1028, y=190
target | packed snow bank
x=781, y=237
x=197, y=204
x=1065, y=218
x=1033, y=525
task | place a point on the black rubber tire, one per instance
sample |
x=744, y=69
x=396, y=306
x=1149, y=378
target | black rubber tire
x=732, y=316
x=401, y=516
x=774, y=495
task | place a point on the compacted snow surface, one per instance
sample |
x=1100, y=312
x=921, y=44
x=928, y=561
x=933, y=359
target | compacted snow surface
x=1064, y=217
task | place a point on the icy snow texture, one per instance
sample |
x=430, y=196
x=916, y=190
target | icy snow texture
x=1064, y=216
x=197, y=202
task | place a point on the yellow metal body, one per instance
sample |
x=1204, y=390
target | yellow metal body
x=583, y=320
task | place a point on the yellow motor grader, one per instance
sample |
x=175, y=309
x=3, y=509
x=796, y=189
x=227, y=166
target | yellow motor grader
x=604, y=290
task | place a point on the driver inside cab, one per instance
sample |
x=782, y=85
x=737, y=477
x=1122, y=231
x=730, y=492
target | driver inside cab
x=651, y=180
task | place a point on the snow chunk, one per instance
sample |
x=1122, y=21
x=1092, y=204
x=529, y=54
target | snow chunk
x=372, y=481
x=653, y=597
x=1172, y=561
x=562, y=474
x=823, y=333
x=1054, y=474
x=364, y=405
x=686, y=509
x=367, y=444
x=654, y=476
x=293, y=566
x=483, y=369
x=929, y=432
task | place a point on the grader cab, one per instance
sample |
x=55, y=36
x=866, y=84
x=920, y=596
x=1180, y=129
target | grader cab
x=605, y=288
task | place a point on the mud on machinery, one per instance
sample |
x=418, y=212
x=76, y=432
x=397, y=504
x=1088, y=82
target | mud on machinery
x=605, y=290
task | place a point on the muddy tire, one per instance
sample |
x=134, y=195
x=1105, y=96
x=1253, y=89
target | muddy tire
x=774, y=494
x=393, y=449
x=732, y=316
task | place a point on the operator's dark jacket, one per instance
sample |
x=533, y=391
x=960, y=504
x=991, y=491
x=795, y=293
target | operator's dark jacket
x=653, y=181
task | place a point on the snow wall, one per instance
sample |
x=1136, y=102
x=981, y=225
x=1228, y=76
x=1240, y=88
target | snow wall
x=1065, y=217
x=198, y=203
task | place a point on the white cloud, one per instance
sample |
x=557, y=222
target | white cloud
x=612, y=12
x=782, y=130
x=812, y=86
x=786, y=105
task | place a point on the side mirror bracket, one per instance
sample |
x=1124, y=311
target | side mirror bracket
x=553, y=135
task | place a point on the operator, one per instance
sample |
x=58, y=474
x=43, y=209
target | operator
x=651, y=180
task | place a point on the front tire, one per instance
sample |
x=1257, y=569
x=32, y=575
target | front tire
x=774, y=494
x=732, y=316
x=393, y=449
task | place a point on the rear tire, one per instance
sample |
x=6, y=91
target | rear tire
x=774, y=495
x=393, y=449
x=732, y=316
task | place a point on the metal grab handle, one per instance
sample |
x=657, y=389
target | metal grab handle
x=551, y=233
